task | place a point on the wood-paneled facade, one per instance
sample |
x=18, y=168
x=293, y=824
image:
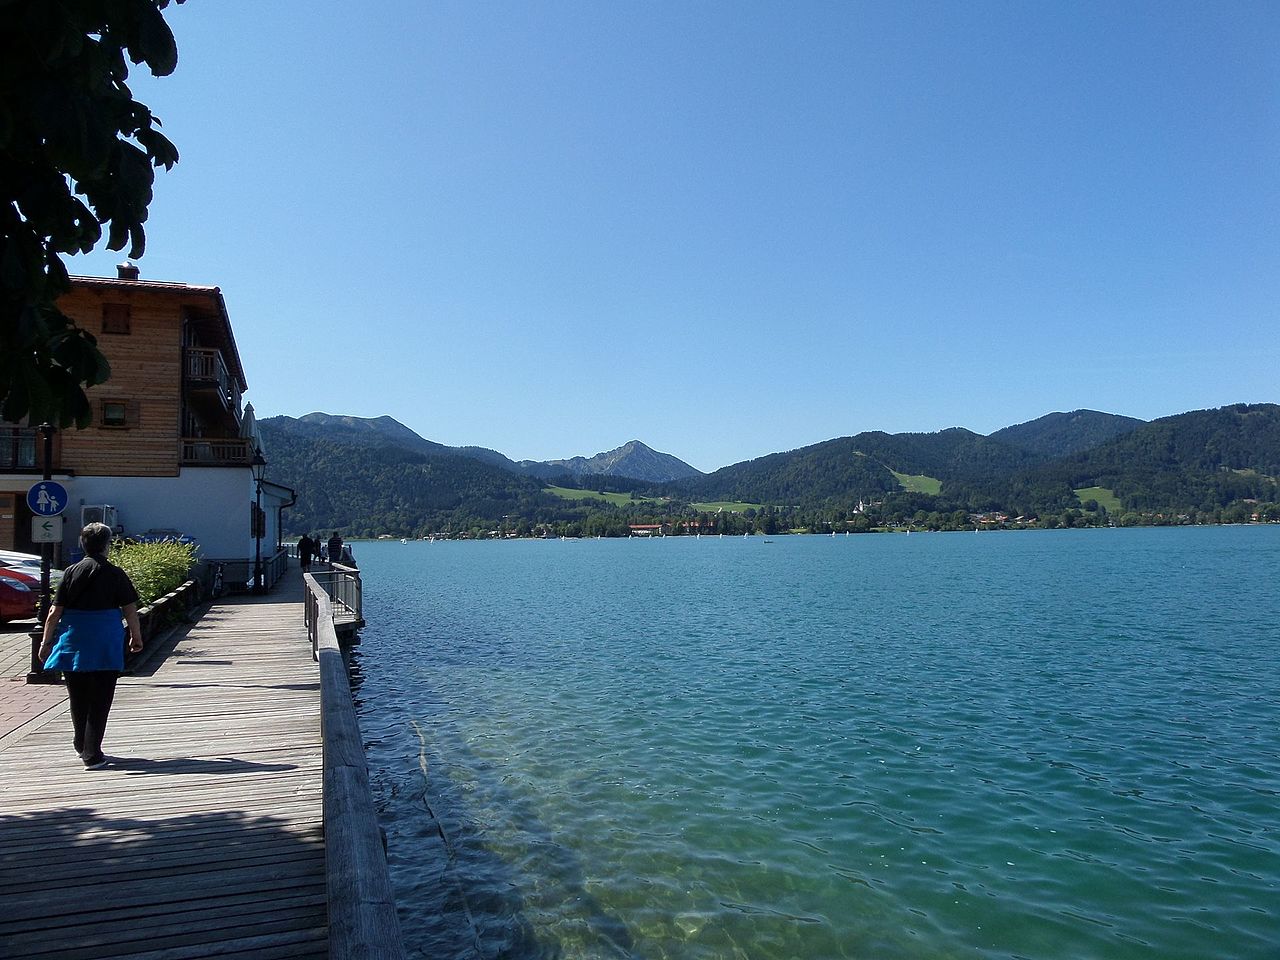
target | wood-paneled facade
x=167, y=444
x=176, y=378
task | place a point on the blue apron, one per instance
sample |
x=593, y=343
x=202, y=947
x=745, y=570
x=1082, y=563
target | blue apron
x=90, y=640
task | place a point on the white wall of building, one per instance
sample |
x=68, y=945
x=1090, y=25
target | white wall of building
x=209, y=504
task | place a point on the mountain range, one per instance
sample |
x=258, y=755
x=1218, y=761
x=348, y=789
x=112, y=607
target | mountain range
x=377, y=476
x=633, y=459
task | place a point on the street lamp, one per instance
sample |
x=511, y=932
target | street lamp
x=259, y=467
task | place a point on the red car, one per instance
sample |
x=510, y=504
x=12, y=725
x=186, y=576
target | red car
x=18, y=594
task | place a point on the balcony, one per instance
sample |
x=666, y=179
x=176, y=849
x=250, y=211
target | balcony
x=216, y=452
x=207, y=374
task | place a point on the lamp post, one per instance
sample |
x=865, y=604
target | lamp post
x=259, y=467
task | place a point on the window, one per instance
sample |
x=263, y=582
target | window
x=115, y=413
x=17, y=447
x=115, y=318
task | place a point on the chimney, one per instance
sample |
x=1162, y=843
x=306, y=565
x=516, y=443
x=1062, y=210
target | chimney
x=127, y=271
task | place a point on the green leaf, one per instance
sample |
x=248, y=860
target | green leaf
x=158, y=47
x=67, y=113
x=59, y=281
x=118, y=235
x=139, y=238
x=162, y=152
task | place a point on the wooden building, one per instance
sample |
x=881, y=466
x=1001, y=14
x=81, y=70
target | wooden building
x=171, y=443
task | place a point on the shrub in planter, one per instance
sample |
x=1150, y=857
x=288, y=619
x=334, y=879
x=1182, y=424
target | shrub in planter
x=154, y=568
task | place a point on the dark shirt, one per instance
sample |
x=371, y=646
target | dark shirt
x=95, y=584
x=335, y=549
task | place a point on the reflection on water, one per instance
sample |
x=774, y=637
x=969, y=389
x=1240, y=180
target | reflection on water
x=1039, y=744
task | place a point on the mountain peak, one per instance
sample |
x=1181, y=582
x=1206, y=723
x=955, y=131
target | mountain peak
x=634, y=459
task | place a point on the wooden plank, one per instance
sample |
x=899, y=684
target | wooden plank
x=107, y=939
x=75, y=872
x=37, y=851
x=208, y=912
x=176, y=888
x=302, y=942
x=206, y=838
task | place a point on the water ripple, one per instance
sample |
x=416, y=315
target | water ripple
x=1038, y=745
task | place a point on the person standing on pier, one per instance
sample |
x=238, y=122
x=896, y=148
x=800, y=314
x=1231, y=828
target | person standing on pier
x=335, y=548
x=90, y=648
x=307, y=548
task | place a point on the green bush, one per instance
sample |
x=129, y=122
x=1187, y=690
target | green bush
x=154, y=568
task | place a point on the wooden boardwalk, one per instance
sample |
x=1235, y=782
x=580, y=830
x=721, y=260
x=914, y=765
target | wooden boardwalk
x=204, y=837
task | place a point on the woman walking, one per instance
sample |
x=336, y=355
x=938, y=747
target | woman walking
x=90, y=649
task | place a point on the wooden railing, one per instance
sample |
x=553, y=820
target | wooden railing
x=216, y=452
x=345, y=591
x=275, y=567
x=362, y=909
x=205, y=365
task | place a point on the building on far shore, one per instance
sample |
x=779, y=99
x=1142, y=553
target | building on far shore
x=171, y=445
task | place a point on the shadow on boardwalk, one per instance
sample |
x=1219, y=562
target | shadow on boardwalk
x=112, y=886
x=186, y=765
x=204, y=837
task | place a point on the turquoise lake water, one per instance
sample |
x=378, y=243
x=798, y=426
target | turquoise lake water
x=1058, y=744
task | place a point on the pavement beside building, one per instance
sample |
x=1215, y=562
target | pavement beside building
x=21, y=702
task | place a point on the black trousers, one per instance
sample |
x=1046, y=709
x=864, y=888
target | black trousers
x=91, y=694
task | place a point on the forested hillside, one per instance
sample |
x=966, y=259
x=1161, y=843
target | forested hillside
x=1062, y=434
x=1201, y=460
x=368, y=478
x=379, y=432
x=633, y=459
x=370, y=488
x=378, y=477
x=831, y=471
x=849, y=469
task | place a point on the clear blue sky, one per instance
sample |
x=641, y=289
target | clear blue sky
x=727, y=229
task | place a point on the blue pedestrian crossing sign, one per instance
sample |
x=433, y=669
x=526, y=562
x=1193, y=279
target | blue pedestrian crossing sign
x=47, y=498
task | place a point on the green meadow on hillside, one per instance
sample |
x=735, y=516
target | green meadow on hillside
x=625, y=499
x=918, y=483
x=617, y=499
x=728, y=506
x=1106, y=499
x=566, y=493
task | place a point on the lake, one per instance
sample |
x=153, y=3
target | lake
x=1043, y=744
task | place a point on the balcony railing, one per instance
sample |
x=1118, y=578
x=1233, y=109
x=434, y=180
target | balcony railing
x=18, y=448
x=216, y=452
x=206, y=368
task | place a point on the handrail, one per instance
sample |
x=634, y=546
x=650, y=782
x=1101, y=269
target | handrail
x=237, y=572
x=362, y=909
x=345, y=590
x=216, y=452
x=206, y=365
x=276, y=566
